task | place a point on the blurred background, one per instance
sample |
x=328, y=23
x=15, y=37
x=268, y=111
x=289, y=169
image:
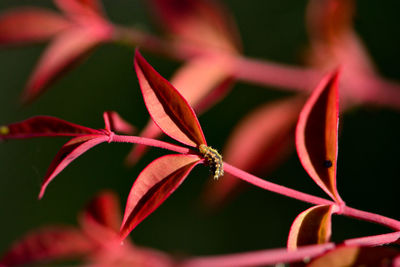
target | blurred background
x=368, y=163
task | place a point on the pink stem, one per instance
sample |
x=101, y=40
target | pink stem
x=371, y=217
x=282, y=255
x=150, y=142
x=275, y=187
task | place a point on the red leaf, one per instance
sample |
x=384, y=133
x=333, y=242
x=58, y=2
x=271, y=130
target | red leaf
x=201, y=22
x=82, y=8
x=312, y=226
x=210, y=75
x=30, y=25
x=258, y=144
x=40, y=126
x=167, y=107
x=69, y=152
x=356, y=256
x=153, y=186
x=104, y=210
x=66, y=50
x=317, y=133
x=48, y=244
x=114, y=122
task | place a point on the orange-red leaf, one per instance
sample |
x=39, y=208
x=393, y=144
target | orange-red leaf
x=200, y=22
x=317, y=134
x=68, y=153
x=51, y=243
x=114, y=122
x=167, y=107
x=66, y=50
x=24, y=25
x=312, y=226
x=258, y=144
x=40, y=126
x=356, y=256
x=81, y=8
x=153, y=186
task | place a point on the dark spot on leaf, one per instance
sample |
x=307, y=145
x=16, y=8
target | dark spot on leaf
x=327, y=163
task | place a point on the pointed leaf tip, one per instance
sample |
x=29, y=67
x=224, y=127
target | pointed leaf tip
x=312, y=226
x=317, y=134
x=68, y=153
x=153, y=186
x=167, y=107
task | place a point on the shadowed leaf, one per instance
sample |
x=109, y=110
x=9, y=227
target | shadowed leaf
x=25, y=25
x=40, y=126
x=312, y=226
x=66, y=50
x=69, y=152
x=167, y=107
x=356, y=256
x=153, y=186
x=258, y=144
x=316, y=135
x=200, y=22
x=114, y=122
x=51, y=243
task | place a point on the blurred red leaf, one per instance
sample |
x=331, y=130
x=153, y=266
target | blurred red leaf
x=40, y=126
x=24, y=25
x=200, y=22
x=153, y=186
x=258, y=144
x=114, y=122
x=51, y=243
x=312, y=226
x=210, y=75
x=356, y=256
x=82, y=8
x=69, y=152
x=317, y=134
x=66, y=50
x=167, y=107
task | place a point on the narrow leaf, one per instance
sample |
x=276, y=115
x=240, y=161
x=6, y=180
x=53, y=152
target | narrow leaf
x=317, y=133
x=210, y=74
x=40, y=126
x=66, y=50
x=167, y=107
x=69, y=152
x=153, y=186
x=81, y=7
x=258, y=144
x=356, y=256
x=52, y=243
x=312, y=226
x=201, y=22
x=24, y=25
x=114, y=122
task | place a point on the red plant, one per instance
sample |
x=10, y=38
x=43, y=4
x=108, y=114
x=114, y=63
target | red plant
x=204, y=36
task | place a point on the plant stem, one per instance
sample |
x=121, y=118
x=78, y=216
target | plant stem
x=275, y=187
x=282, y=255
x=150, y=142
x=371, y=217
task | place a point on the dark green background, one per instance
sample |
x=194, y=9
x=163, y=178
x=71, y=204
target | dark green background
x=368, y=166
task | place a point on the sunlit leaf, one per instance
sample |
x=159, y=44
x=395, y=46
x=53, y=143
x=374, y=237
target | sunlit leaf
x=201, y=22
x=68, y=153
x=317, y=134
x=153, y=186
x=167, y=107
x=43, y=126
x=47, y=244
x=66, y=50
x=114, y=122
x=258, y=144
x=356, y=256
x=312, y=226
x=27, y=25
